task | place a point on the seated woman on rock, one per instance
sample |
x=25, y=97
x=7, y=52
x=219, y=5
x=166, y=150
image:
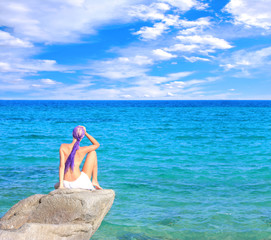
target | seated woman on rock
x=71, y=156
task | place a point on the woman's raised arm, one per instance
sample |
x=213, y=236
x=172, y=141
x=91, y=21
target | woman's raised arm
x=93, y=141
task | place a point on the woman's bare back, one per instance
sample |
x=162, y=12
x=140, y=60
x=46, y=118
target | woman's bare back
x=78, y=158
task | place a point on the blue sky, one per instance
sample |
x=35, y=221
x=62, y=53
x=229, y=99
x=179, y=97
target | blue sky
x=135, y=50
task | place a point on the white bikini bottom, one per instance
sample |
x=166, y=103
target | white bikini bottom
x=82, y=182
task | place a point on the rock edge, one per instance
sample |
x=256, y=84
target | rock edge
x=62, y=214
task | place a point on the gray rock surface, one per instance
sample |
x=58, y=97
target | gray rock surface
x=62, y=214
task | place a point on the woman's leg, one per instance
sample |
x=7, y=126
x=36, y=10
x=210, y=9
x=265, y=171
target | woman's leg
x=91, y=168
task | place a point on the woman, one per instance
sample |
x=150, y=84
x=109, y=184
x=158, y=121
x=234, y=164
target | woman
x=72, y=155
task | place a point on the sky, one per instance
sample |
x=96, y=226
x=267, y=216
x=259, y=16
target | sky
x=135, y=49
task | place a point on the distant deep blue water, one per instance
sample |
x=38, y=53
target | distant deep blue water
x=180, y=169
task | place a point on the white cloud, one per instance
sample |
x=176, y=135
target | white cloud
x=189, y=31
x=36, y=85
x=169, y=85
x=158, y=83
x=247, y=60
x=189, y=85
x=227, y=66
x=13, y=86
x=10, y=83
x=126, y=96
x=162, y=6
x=213, y=42
x=48, y=81
x=170, y=94
x=152, y=32
x=7, y=40
x=155, y=12
x=201, y=44
x=138, y=60
x=183, y=48
x=202, y=6
x=15, y=70
x=36, y=89
x=38, y=65
x=28, y=84
x=200, y=22
x=183, y=5
x=61, y=21
x=163, y=54
x=151, y=12
x=142, y=87
x=54, y=22
x=178, y=75
x=121, y=68
x=171, y=20
x=194, y=59
x=141, y=60
x=5, y=67
x=123, y=72
x=31, y=66
x=191, y=38
x=250, y=12
x=66, y=21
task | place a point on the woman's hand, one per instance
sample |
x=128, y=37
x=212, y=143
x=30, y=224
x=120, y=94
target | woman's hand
x=84, y=128
x=57, y=186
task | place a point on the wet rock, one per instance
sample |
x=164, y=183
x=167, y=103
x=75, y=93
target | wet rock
x=62, y=214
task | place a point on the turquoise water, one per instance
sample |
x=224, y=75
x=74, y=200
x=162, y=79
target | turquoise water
x=180, y=169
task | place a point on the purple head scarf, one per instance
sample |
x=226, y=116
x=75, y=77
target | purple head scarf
x=78, y=133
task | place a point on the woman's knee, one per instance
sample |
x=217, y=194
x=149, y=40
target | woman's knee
x=92, y=153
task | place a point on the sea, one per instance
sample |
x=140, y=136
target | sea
x=185, y=170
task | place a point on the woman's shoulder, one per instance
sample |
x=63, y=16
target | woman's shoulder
x=65, y=148
x=64, y=145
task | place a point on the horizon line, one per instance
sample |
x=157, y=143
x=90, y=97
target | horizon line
x=136, y=100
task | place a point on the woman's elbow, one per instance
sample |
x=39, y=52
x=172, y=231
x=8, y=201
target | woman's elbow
x=95, y=147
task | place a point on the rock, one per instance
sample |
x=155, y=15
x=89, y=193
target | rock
x=62, y=214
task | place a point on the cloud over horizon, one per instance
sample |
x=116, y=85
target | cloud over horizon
x=136, y=49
